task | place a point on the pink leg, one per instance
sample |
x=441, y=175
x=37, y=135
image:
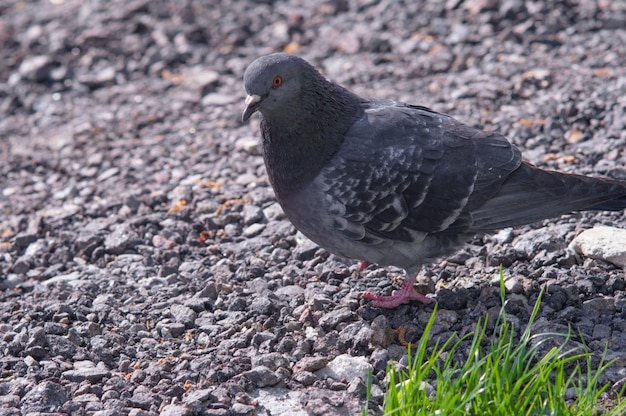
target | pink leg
x=362, y=266
x=404, y=295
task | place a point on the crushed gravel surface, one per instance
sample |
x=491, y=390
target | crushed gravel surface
x=145, y=267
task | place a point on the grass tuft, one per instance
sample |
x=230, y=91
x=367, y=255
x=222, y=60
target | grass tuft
x=501, y=376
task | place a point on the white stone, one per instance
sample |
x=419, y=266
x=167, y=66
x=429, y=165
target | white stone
x=279, y=401
x=602, y=243
x=345, y=367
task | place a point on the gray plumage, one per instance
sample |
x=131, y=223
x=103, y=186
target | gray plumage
x=392, y=183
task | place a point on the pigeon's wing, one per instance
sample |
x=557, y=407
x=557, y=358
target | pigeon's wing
x=403, y=171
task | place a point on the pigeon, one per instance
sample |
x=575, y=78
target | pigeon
x=392, y=183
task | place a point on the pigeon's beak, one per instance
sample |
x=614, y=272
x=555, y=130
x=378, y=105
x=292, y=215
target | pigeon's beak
x=252, y=103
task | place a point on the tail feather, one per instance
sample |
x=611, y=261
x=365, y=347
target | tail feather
x=531, y=194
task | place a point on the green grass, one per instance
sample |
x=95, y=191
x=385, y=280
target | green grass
x=501, y=376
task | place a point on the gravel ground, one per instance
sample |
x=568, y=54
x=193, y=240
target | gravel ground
x=145, y=267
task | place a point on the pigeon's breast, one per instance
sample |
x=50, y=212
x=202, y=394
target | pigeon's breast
x=320, y=219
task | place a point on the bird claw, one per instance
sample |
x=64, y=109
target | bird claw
x=401, y=296
x=363, y=264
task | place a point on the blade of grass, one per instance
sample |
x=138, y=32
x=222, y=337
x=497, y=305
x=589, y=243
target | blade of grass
x=507, y=377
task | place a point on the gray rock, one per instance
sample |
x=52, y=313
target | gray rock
x=331, y=319
x=86, y=370
x=311, y=364
x=305, y=378
x=175, y=410
x=45, y=397
x=262, y=376
x=382, y=334
x=305, y=249
x=253, y=230
x=272, y=360
x=274, y=212
x=24, y=238
x=172, y=329
x=184, y=315
x=122, y=238
x=358, y=335
x=252, y=214
x=35, y=67
x=599, y=305
x=262, y=305
x=242, y=409
x=197, y=399
x=145, y=399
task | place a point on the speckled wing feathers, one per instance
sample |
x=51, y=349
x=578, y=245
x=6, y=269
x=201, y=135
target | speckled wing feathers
x=405, y=171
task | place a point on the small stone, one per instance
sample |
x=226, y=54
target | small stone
x=262, y=376
x=253, y=230
x=272, y=360
x=183, y=314
x=382, y=334
x=310, y=364
x=195, y=396
x=305, y=250
x=120, y=239
x=175, y=329
x=346, y=367
x=246, y=179
x=599, y=305
x=85, y=370
x=274, y=212
x=55, y=328
x=333, y=318
x=170, y=267
x=23, y=239
x=175, y=410
x=98, y=79
x=262, y=305
x=602, y=243
x=251, y=214
x=35, y=67
x=242, y=409
x=601, y=332
x=357, y=334
x=305, y=378
x=46, y=396
x=144, y=399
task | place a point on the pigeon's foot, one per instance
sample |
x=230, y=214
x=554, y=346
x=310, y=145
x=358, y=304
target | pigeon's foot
x=362, y=266
x=404, y=295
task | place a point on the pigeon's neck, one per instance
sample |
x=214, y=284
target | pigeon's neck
x=298, y=145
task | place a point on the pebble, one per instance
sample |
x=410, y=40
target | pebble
x=262, y=376
x=46, y=396
x=346, y=367
x=184, y=315
x=121, y=238
x=279, y=401
x=311, y=364
x=334, y=318
x=602, y=243
x=175, y=410
x=86, y=370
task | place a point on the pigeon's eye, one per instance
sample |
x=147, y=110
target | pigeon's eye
x=277, y=82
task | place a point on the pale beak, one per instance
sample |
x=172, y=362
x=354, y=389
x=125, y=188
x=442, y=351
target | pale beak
x=252, y=102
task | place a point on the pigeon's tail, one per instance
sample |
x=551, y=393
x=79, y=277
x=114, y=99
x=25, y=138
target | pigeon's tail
x=531, y=194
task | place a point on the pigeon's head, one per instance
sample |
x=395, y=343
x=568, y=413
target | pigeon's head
x=273, y=83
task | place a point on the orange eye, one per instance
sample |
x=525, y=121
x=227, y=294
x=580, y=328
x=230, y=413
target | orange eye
x=278, y=81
